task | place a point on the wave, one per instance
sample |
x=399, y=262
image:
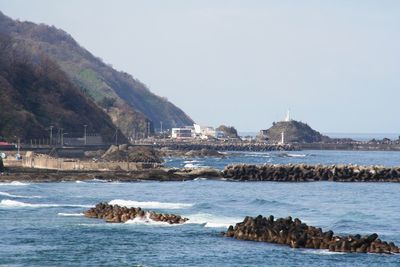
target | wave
x=191, y=161
x=291, y=155
x=207, y=220
x=95, y=180
x=321, y=252
x=257, y=155
x=8, y=203
x=200, y=179
x=211, y=221
x=147, y=221
x=296, y=155
x=149, y=204
x=260, y=201
x=15, y=183
x=70, y=214
x=16, y=196
x=190, y=165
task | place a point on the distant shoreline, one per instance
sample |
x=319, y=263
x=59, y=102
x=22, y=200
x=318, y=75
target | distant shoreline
x=234, y=173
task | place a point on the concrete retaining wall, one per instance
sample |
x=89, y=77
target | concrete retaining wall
x=68, y=164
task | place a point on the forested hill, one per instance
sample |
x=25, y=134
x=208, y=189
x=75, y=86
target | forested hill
x=129, y=102
x=35, y=93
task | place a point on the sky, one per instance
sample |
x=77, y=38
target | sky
x=334, y=64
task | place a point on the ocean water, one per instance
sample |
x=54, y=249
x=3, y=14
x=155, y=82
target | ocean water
x=41, y=224
x=326, y=157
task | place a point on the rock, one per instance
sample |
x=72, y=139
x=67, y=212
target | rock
x=296, y=234
x=118, y=214
x=295, y=132
x=298, y=173
x=123, y=147
x=123, y=153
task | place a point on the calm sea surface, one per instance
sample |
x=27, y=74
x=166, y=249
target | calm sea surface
x=42, y=224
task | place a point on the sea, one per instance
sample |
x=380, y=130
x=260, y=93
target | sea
x=42, y=224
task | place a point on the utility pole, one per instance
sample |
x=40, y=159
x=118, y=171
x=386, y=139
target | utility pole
x=51, y=135
x=62, y=137
x=116, y=136
x=85, y=134
x=161, y=127
x=148, y=129
x=58, y=136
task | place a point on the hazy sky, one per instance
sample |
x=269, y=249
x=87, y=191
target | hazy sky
x=335, y=64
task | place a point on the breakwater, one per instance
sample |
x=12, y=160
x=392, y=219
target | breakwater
x=118, y=214
x=304, y=173
x=296, y=234
x=218, y=146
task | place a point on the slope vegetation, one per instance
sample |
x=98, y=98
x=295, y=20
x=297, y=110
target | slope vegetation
x=129, y=102
x=35, y=93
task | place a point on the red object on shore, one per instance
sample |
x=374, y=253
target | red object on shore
x=6, y=145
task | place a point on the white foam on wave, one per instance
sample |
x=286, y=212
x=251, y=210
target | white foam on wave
x=257, y=154
x=70, y=214
x=190, y=165
x=8, y=203
x=150, y=204
x=200, y=179
x=147, y=221
x=15, y=183
x=321, y=252
x=191, y=161
x=16, y=196
x=211, y=221
x=297, y=155
x=92, y=181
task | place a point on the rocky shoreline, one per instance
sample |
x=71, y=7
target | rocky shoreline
x=235, y=173
x=118, y=214
x=156, y=174
x=296, y=234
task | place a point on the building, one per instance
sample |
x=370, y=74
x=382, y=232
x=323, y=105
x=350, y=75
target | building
x=182, y=133
x=262, y=135
x=196, y=131
x=207, y=132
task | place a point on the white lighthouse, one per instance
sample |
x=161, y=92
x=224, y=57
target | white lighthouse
x=282, y=138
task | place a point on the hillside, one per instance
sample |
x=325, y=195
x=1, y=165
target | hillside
x=35, y=93
x=129, y=102
x=295, y=132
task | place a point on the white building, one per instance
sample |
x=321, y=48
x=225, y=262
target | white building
x=206, y=132
x=196, y=131
x=182, y=133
